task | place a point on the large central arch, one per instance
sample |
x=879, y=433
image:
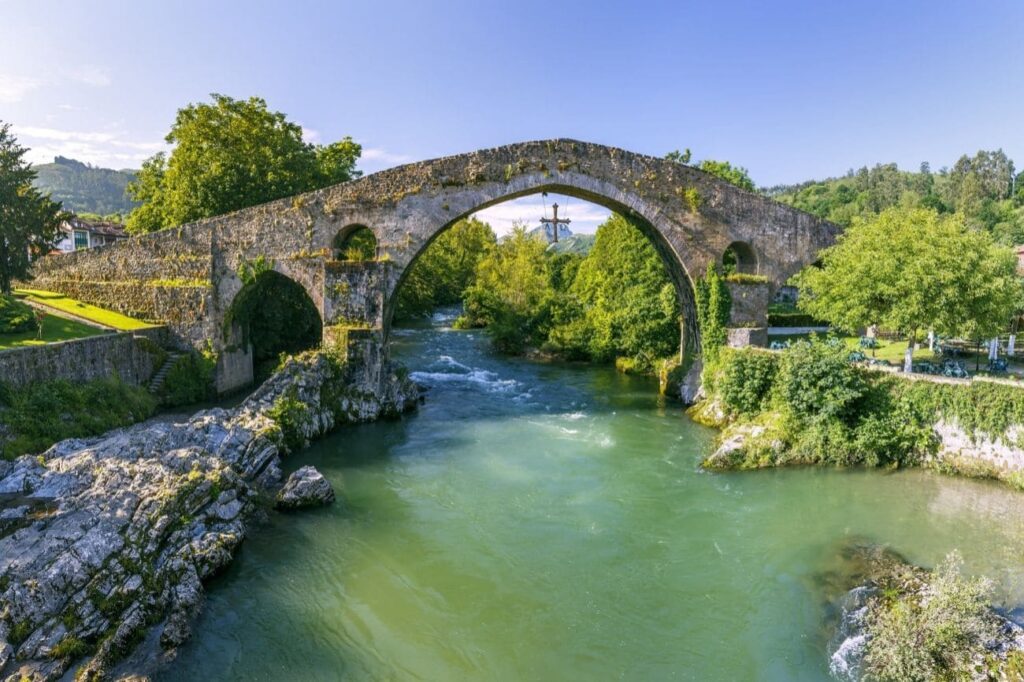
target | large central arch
x=582, y=188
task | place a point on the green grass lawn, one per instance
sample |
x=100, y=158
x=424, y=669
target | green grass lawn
x=54, y=329
x=107, y=318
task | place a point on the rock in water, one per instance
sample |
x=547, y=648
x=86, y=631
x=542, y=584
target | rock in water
x=307, y=487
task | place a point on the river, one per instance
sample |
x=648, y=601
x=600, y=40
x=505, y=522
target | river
x=550, y=522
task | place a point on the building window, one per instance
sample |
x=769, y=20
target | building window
x=81, y=239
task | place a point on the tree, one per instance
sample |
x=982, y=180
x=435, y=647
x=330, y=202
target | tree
x=913, y=269
x=445, y=269
x=625, y=297
x=29, y=221
x=228, y=155
x=512, y=293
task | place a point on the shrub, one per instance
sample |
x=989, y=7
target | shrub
x=189, y=380
x=816, y=380
x=780, y=319
x=746, y=379
x=39, y=415
x=15, y=317
x=932, y=633
x=290, y=415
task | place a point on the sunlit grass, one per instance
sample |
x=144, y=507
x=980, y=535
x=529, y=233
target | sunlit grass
x=54, y=329
x=107, y=318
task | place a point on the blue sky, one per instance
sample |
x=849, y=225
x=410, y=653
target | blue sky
x=790, y=90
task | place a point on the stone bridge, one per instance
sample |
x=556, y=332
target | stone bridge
x=188, y=277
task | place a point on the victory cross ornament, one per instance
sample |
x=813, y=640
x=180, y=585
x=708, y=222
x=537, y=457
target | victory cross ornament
x=555, y=222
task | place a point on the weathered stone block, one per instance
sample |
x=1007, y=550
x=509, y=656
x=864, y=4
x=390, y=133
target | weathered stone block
x=741, y=337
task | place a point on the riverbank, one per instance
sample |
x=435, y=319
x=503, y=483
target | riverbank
x=810, y=405
x=108, y=541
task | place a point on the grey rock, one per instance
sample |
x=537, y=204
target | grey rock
x=307, y=487
x=130, y=524
x=691, y=390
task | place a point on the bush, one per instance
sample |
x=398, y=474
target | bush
x=15, y=317
x=746, y=379
x=39, y=415
x=189, y=380
x=816, y=380
x=780, y=319
x=932, y=633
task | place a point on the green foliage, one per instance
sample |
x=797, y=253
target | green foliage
x=737, y=175
x=978, y=187
x=290, y=415
x=512, y=294
x=359, y=246
x=249, y=270
x=816, y=380
x=746, y=380
x=86, y=190
x=15, y=316
x=70, y=648
x=445, y=269
x=713, y=307
x=189, y=380
x=746, y=278
x=29, y=220
x=41, y=414
x=617, y=301
x=228, y=155
x=931, y=633
x=913, y=269
x=276, y=316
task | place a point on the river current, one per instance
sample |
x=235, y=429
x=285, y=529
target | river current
x=536, y=521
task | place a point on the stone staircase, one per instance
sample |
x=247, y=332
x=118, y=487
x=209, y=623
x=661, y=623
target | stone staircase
x=158, y=379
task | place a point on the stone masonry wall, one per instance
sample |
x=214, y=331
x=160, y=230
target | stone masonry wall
x=96, y=357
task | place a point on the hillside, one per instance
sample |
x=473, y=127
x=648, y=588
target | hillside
x=85, y=189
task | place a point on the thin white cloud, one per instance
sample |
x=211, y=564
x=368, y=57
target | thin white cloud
x=384, y=158
x=107, y=148
x=309, y=135
x=90, y=74
x=14, y=88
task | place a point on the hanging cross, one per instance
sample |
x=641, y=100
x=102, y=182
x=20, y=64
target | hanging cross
x=555, y=222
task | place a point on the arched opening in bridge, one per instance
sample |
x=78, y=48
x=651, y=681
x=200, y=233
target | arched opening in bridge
x=275, y=315
x=608, y=290
x=740, y=257
x=355, y=243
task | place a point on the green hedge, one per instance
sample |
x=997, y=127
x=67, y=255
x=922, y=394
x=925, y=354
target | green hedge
x=37, y=416
x=795, y=319
x=15, y=316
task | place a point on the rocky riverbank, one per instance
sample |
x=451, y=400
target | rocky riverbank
x=105, y=543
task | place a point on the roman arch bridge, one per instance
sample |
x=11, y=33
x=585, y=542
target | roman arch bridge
x=188, y=277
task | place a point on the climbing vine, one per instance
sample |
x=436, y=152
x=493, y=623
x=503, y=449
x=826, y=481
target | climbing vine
x=713, y=306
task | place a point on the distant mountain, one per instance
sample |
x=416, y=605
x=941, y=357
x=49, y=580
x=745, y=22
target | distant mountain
x=85, y=189
x=545, y=231
x=574, y=243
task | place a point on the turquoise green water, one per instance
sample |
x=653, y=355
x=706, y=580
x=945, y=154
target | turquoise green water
x=538, y=522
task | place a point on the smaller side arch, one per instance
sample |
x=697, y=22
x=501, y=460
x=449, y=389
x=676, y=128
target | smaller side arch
x=740, y=257
x=356, y=243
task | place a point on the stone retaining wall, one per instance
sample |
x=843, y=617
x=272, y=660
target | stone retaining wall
x=120, y=355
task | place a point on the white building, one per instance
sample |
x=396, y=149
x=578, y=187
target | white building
x=85, y=234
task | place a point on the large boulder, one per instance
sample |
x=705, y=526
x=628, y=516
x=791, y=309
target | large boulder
x=307, y=487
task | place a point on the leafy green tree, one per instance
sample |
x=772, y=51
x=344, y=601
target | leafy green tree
x=625, y=299
x=29, y=221
x=445, y=269
x=910, y=270
x=512, y=293
x=713, y=303
x=228, y=155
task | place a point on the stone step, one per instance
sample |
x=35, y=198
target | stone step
x=157, y=381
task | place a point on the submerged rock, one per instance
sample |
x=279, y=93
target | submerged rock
x=115, y=535
x=307, y=487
